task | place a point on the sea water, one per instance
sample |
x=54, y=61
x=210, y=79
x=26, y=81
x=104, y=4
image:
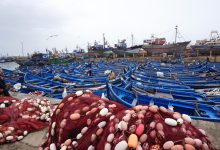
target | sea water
x=9, y=65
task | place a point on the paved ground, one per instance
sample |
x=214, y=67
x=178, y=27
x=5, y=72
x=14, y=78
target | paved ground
x=33, y=140
x=212, y=130
x=21, y=96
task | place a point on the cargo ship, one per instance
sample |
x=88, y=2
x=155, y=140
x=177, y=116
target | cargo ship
x=208, y=47
x=158, y=46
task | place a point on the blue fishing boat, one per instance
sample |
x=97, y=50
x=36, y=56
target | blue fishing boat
x=196, y=111
x=173, y=94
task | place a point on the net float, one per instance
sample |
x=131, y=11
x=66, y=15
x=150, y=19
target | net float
x=167, y=145
x=63, y=123
x=79, y=93
x=127, y=117
x=198, y=142
x=25, y=133
x=75, y=144
x=79, y=136
x=99, y=131
x=91, y=147
x=159, y=126
x=143, y=138
x=189, y=140
x=85, y=109
x=177, y=147
x=110, y=137
x=171, y=122
x=140, y=129
x=153, y=108
x=67, y=142
x=122, y=126
x=75, y=116
x=93, y=110
x=205, y=146
x=186, y=118
x=93, y=137
x=132, y=141
x=61, y=105
x=103, y=111
x=52, y=146
x=163, y=109
x=70, y=98
x=9, y=138
x=202, y=131
x=189, y=147
x=84, y=130
x=153, y=134
x=108, y=146
x=180, y=121
x=122, y=145
x=102, y=124
x=152, y=125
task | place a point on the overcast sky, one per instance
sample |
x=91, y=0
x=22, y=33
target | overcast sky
x=77, y=22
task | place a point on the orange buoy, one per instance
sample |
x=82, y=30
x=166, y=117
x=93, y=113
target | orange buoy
x=132, y=141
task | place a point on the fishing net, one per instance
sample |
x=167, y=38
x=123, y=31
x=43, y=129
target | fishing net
x=85, y=121
x=19, y=117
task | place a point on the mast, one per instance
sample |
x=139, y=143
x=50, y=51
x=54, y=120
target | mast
x=176, y=33
x=88, y=46
x=103, y=40
x=132, y=39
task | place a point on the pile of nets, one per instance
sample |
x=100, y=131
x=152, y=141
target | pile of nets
x=19, y=117
x=84, y=121
x=6, y=101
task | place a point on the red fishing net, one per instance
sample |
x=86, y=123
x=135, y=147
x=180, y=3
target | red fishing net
x=85, y=121
x=18, y=117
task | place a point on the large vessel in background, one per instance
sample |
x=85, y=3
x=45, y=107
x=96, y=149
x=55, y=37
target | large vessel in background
x=152, y=47
x=208, y=47
x=158, y=46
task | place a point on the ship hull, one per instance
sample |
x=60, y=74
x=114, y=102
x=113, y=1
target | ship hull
x=205, y=49
x=176, y=49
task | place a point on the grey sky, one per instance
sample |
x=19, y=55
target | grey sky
x=82, y=21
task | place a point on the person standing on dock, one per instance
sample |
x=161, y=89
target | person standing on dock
x=3, y=85
x=89, y=72
x=111, y=76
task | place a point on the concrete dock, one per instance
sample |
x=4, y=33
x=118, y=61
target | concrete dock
x=33, y=140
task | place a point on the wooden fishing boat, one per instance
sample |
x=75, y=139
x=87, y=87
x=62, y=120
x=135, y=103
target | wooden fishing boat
x=173, y=94
x=196, y=111
x=161, y=84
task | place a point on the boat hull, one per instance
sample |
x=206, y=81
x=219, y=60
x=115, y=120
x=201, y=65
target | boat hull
x=205, y=49
x=171, y=49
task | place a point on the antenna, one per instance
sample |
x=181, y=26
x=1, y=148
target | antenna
x=176, y=32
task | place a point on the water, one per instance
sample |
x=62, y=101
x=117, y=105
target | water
x=9, y=65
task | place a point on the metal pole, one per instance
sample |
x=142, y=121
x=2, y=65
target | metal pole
x=88, y=47
x=103, y=40
x=132, y=39
x=176, y=33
